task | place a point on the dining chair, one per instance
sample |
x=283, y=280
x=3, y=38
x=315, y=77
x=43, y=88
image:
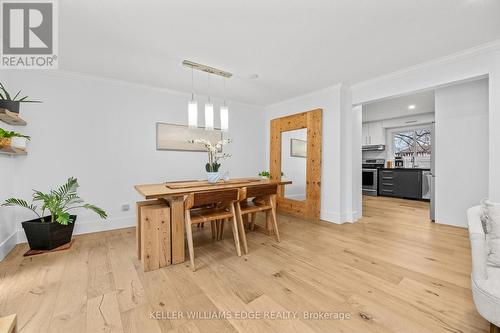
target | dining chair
x=262, y=202
x=211, y=206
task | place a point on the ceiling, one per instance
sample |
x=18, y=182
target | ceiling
x=399, y=107
x=293, y=46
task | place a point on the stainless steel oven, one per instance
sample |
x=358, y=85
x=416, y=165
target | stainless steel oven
x=370, y=176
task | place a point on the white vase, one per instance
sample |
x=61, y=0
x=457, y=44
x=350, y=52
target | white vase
x=213, y=177
x=19, y=143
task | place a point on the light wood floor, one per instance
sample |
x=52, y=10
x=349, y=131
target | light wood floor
x=394, y=271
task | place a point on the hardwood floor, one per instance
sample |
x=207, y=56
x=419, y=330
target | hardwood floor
x=393, y=271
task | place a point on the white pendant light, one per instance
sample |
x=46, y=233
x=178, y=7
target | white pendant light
x=224, y=118
x=192, y=106
x=209, y=107
x=209, y=116
x=193, y=114
x=224, y=113
x=209, y=110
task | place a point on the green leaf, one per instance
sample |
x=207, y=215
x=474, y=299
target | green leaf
x=20, y=203
x=102, y=214
x=12, y=134
x=17, y=95
x=68, y=189
x=63, y=218
x=7, y=96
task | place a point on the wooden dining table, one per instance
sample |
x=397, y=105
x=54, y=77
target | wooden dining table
x=175, y=194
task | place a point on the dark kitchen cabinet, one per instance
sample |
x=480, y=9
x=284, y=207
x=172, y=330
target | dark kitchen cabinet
x=401, y=183
x=387, y=183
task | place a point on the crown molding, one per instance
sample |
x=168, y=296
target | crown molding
x=80, y=75
x=464, y=54
x=306, y=95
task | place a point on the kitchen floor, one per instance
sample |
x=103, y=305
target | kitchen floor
x=393, y=271
x=373, y=203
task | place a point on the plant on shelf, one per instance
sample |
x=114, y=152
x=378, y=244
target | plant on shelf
x=266, y=174
x=12, y=103
x=7, y=136
x=214, y=156
x=48, y=232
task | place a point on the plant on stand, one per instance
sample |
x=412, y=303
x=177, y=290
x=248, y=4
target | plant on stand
x=10, y=138
x=214, y=156
x=12, y=103
x=56, y=229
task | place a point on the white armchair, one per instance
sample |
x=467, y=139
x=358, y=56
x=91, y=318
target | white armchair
x=485, y=279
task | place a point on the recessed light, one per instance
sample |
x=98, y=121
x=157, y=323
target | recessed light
x=253, y=76
x=412, y=107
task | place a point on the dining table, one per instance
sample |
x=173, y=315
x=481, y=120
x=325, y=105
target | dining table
x=175, y=192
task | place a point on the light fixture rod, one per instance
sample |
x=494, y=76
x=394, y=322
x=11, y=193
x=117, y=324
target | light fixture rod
x=207, y=69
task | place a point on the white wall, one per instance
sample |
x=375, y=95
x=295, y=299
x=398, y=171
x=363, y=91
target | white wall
x=103, y=132
x=293, y=167
x=7, y=228
x=461, y=150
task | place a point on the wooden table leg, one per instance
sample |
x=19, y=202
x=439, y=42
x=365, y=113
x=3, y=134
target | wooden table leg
x=138, y=230
x=177, y=220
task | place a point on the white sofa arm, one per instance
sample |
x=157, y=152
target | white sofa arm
x=478, y=244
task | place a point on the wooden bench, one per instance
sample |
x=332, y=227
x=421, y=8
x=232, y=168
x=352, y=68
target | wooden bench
x=153, y=229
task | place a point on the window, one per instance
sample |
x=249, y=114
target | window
x=415, y=142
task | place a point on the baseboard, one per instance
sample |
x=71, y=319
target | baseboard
x=87, y=227
x=7, y=245
x=340, y=218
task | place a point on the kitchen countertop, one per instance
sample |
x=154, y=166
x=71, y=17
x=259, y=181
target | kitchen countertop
x=405, y=169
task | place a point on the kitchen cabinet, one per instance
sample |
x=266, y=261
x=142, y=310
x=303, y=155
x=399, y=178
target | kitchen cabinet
x=373, y=133
x=400, y=183
x=387, y=183
x=377, y=133
x=366, y=134
x=409, y=184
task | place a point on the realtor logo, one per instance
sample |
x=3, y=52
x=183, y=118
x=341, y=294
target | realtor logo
x=29, y=34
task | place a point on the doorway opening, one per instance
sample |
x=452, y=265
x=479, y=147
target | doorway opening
x=397, y=151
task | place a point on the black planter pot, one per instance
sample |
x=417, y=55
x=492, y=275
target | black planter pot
x=10, y=105
x=48, y=236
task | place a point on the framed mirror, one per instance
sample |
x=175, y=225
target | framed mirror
x=296, y=157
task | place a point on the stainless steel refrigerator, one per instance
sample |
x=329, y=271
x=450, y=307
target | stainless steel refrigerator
x=433, y=173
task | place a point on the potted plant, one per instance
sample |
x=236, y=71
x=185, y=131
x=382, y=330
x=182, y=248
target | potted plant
x=56, y=229
x=214, y=156
x=10, y=138
x=267, y=175
x=12, y=103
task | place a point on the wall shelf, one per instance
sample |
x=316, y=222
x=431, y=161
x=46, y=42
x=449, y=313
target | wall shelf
x=11, y=118
x=12, y=151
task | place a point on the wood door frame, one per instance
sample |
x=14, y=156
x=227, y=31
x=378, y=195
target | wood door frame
x=312, y=121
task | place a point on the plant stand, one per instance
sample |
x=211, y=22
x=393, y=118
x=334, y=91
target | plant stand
x=60, y=248
x=11, y=118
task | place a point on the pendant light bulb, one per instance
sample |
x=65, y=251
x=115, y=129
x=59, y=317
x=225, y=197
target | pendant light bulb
x=209, y=116
x=209, y=110
x=224, y=118
x=193, y=114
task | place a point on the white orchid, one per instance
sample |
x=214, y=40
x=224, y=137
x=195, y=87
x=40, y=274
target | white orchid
x=213, y=152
